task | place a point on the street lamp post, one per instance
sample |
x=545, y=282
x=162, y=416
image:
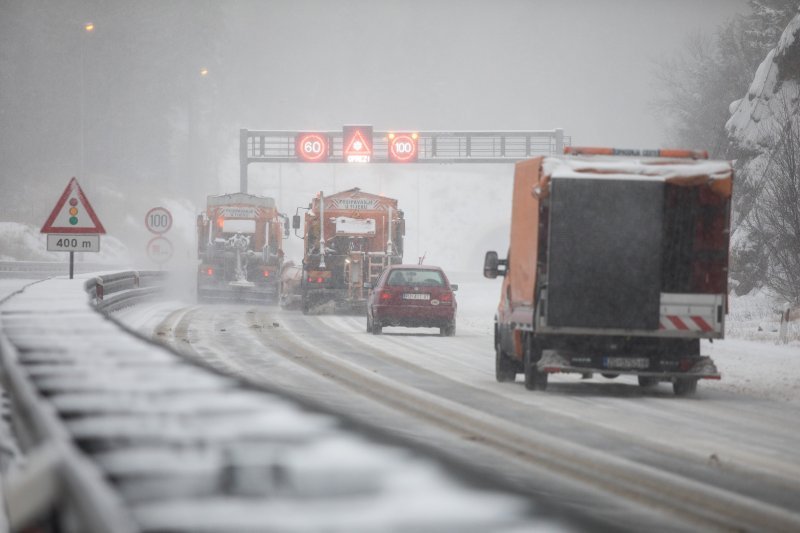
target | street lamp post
x=88, y=28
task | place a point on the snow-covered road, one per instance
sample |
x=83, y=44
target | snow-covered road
x=737, y=436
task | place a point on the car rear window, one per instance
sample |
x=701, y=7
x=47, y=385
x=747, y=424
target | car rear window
x=415, y=277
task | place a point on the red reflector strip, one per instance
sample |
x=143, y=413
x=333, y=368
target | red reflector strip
x=702, y=324
x=677, y=322
x=684, y=323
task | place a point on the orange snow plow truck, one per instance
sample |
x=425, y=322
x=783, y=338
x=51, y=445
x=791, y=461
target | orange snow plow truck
x=617, y=264
x=239, y=247
x=349, y=238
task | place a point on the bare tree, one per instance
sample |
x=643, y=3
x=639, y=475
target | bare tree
x=774, y=221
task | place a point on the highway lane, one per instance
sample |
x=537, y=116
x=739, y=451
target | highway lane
x=719, y=441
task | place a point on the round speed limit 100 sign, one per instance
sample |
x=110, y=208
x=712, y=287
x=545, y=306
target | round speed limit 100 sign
x=403, y=147
x=312, y=147
x=158, y=220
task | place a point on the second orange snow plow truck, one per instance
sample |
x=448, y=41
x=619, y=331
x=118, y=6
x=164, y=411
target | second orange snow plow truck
x=240, y=247
x=349, y=238
x=616, y=265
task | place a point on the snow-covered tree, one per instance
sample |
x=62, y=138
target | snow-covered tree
x=765, y=129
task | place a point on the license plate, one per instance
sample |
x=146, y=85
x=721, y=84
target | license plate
x=627, y=362
x=416, y=296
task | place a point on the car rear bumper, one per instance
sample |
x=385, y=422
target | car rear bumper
x=414, y=315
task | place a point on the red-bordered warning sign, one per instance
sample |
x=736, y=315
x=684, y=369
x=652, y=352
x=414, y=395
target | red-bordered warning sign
x=357, y=144
x=73, y=213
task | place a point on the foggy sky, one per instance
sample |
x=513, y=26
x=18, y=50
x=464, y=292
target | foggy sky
x=156, y=133
x=582, y=65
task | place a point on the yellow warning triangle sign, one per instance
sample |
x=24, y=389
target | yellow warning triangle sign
x=73, y=213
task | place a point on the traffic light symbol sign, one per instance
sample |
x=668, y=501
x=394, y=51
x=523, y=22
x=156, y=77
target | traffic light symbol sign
x=73, y=213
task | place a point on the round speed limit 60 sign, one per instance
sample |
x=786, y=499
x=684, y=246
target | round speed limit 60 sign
x=158, y=220
x=312, y=147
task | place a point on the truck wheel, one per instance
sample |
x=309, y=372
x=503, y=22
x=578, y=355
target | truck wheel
x=534, y=380
x=504, y=368
x=684, y=386
x=648, y=381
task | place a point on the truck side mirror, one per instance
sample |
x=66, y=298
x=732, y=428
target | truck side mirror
x=296, y=222
x=492, y=264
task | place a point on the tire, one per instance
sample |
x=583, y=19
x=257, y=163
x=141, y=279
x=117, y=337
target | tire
x=369, y=324
x=449, y=330
x=504, y=368
x=609, y=375
x=534, y=380
x=377, y=329
x=684, y=386
x=647, y=381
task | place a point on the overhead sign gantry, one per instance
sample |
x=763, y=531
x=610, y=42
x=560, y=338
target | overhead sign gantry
x=360, y=144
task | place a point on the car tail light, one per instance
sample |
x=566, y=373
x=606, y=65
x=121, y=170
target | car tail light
x=209, y=271
x=446, y=297
x=385, y=296
x=266, y=273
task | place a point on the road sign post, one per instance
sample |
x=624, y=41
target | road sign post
x=73, y=225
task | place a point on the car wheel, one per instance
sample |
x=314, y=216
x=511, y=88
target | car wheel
x=369, y=324
x=609, y=375
x=648, y=381
x=534, y=380
x=684, y=386
x=376, y=328
x=449, y=330
x=504, y=368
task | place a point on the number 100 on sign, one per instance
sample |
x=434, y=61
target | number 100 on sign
x=312, y=147
x=73, y=243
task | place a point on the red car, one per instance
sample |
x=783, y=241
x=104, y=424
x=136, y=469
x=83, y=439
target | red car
x=412, y=296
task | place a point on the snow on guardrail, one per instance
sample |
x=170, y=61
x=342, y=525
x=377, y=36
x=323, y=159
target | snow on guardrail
x=126, y=435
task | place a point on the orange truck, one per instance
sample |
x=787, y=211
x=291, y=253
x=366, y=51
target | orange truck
x=617, y=264
x=349, y=238
x=240, y=249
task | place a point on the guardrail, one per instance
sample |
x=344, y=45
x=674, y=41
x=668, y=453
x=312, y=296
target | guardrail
x=56, y=473
x=17, y=269
x=122, y=289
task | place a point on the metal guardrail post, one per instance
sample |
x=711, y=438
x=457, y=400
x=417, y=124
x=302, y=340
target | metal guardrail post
x=99, y=289
x=559, y=135
x=243, y=135
x=783, y=336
